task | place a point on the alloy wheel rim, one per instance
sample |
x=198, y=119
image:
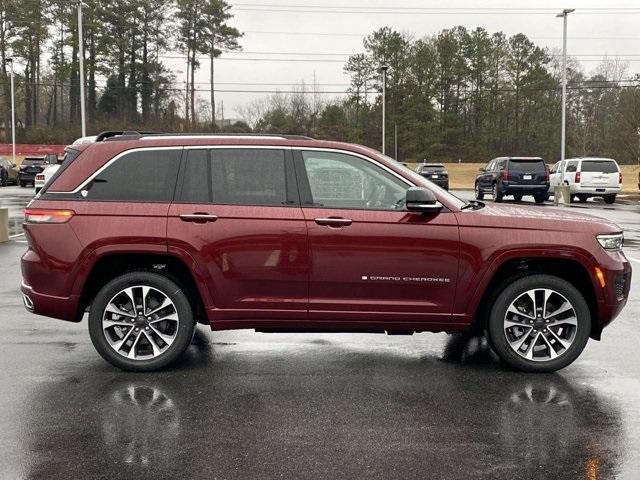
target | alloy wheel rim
x=140, y=322
x=540, y=325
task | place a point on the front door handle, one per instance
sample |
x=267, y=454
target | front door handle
x=334, y=221
x=198, y=217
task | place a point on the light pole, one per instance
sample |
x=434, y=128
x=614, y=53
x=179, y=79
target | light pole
x=564, y=193
x=383, y=69
x=13, y=112
x=81, y=65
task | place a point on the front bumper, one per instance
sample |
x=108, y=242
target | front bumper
x=614, y=295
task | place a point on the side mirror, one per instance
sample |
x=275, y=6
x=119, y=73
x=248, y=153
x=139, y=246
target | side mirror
x=420, y=199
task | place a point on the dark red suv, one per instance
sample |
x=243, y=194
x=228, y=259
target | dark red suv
x=153, y=233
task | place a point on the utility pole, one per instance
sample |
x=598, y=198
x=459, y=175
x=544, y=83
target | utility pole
x=563, y=193
x=13, y=112
x=395, y=135
x=383, y=69
x=81, y=64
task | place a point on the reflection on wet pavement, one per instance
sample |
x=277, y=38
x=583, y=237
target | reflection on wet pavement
x=323, y=411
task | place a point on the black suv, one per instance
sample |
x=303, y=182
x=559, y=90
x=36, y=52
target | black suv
x=434, y=172
x=8, y=172
x=515, y=176
x=30, y=167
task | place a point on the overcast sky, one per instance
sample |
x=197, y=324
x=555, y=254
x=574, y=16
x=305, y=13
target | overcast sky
x=613, y=33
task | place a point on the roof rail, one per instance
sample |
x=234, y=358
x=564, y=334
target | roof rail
x=133, y=135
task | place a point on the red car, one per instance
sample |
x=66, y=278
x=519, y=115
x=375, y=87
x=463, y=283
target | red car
x=150, y=234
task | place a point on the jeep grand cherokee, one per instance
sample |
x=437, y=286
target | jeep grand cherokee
x=150, y=234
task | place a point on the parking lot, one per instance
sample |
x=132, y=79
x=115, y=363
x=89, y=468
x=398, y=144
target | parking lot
x=250, y=405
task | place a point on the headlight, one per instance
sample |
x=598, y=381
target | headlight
x=611, y=242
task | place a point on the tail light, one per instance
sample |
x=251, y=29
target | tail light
x=40, y=177
x=546, y=174
x=40, y=215
x=577, y=177
x=505, y=175
x=620, y=178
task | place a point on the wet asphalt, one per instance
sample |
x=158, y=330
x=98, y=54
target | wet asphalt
x=245, y=405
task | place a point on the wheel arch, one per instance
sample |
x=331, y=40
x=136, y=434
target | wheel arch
x=112, y=265
x=512, y=269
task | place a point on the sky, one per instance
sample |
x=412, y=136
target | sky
x=325, y=32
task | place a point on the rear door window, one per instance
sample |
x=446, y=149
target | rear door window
x=572, y=166
x=600, y=166
x=139, y=176
x=238, y=176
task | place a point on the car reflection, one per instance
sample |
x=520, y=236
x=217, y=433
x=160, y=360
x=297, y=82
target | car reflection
x=139, y=423
x=242, y=410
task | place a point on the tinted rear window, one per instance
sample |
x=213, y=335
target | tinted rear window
x=604, y=166
x=527, y=165
x=143, y=176
x=249, y=177
x=33, y=161
x=432, y=168
x=235, y=176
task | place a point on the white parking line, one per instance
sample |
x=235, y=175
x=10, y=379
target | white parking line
x=16, y=235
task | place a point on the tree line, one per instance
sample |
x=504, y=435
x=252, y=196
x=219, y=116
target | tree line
x=127, y=82
x=468, y=95
x=460, y=94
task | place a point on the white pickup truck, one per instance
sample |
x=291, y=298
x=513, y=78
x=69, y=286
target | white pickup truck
x=588, y=177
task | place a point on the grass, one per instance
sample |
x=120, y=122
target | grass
x=462, y=175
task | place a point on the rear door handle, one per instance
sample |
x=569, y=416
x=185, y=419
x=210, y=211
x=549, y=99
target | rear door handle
x=334, y=221
x=198, y=217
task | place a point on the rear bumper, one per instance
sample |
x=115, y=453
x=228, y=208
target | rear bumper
x=27, y=177
x=579, y=189
x=63, y=308
x=511, y=188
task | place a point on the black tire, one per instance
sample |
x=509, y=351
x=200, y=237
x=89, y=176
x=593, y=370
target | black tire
x=497, y=196
x=517, y=197
x=4, y=179
x=169, y=288
x=512, y=291
x=478, y=192
x=22, y=184
x=609, y=199
x=582, y=197
x=540, y=198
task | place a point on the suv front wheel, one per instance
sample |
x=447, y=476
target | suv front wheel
x=141, y=321
x=539, y=323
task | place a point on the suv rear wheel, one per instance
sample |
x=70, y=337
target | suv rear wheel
x=609, y=199
x=141, y=321
x=539, y=323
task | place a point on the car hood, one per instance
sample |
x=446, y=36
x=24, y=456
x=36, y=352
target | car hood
x=563, y=219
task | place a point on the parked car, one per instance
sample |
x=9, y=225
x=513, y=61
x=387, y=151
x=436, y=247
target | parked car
x=8, y=172
x=150, y=234
x=434, y=172
x=30, y=167
x=588, y=177
x=48, y=173
x=42, y=178
x=517, y=176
